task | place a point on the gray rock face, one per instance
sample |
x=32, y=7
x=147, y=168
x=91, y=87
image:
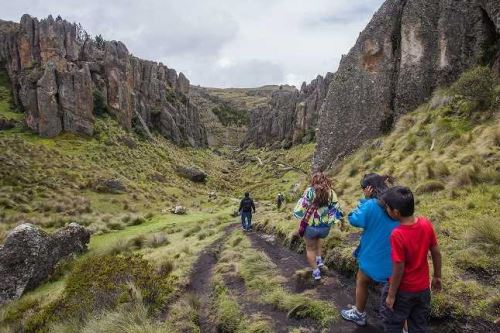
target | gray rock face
x=290, y=117
x=55, y=68
x=407, y=50
x=29, y=255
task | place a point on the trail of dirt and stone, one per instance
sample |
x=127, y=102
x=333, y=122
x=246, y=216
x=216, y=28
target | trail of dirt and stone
x=201, y=277
x=333, y=288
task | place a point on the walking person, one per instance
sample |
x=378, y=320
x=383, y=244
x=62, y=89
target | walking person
x=407, y=296
x=279, y=200
x=318, y=210
x=246, y=207
x=374, y=251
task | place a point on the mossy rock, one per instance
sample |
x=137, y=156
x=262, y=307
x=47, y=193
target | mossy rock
x=101, y=283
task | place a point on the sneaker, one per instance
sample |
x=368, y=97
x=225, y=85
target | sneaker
x=320, y=263
x=405, y=331
x=354, y=315
x=316, y=274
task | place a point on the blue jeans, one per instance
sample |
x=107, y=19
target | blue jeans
x=246, y=220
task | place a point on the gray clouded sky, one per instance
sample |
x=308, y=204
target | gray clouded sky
x=221, y=43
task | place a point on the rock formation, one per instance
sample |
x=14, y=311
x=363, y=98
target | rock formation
x=290, y=117
x=57, y=72
x=408, y=49
x=29, y=255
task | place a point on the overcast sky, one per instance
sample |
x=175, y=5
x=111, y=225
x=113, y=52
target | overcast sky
x=221, y=43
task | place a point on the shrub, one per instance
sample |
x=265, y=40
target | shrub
x=158, y=239
x=137, y=220
x=192, y=231
x=475, y=84
x=486, y=232
x=109, y=279
x=429, y=186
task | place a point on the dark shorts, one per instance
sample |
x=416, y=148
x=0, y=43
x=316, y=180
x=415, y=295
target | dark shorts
x=316, y=232
x=414, y=307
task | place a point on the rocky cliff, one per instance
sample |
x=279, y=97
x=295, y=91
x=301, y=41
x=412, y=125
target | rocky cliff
x=409, y=48
x=59, y=74
x=225, y=111
x=290, y=117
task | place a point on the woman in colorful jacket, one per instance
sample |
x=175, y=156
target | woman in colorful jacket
x=319, y=207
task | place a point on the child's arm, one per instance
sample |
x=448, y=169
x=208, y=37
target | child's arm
x=397, y=274
x=358, y=216
x=436, y=263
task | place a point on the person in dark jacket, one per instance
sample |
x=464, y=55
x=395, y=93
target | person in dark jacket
x=246, y=207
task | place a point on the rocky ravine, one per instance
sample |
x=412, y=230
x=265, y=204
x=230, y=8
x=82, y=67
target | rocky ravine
x=290, y=117
x=409, y=48
x=57, y=71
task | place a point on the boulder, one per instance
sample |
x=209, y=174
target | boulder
x=29, y=255
x=6, y=124
x=179, y=210
x=191, y=173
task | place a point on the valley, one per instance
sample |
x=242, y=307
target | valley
x=120, y=181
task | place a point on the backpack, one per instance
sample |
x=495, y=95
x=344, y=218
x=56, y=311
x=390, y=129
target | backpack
x=246, y=205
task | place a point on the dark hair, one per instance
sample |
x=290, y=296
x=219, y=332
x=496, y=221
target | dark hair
x=400, y=198
x=322, y=188
x=247, y=194
x=377, y=182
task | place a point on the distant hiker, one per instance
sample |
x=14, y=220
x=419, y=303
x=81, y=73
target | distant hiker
x=407, y=295
x=246, y=207
x=374, y=251
x=279, y=200
x=317, y=210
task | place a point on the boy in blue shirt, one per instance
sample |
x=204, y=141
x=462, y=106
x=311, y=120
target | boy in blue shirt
x=374, y=251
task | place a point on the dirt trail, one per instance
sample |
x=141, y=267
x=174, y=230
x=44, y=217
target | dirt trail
x=280, y=321
x=333, y=288
x=200, y=280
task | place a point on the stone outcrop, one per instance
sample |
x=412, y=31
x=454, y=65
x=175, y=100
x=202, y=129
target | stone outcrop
x=29, y=255
x=194, y=174
x=408, y=49
x=290, y=117
x=56, y=70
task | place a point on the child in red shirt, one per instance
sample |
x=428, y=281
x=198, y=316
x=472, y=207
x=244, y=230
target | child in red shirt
x=407, y=296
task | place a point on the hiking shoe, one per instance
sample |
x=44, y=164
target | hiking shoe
x=320, y=263
x=354, y=315
x=316, y=274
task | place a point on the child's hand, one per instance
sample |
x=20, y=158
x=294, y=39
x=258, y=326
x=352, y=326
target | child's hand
x=436, y=284
x=389, y=302
x=368, y=191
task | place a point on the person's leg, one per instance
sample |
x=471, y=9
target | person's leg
x=362, y=282
x=393, y=320
x=419, y=315
x=311, y=252
x=249, y=223
x=243, y=220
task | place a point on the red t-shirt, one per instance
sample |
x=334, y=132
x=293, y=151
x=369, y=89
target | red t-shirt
x=410, y=244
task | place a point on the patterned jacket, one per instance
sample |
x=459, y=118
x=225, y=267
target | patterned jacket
x=323, y=216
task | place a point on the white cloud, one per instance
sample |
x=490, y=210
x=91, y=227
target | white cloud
x=222, y=42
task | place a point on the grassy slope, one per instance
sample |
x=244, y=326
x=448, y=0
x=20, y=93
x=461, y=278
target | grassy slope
x=50, y=182
x=456, y=183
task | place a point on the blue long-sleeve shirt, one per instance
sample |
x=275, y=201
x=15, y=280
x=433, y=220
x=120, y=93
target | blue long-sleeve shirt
x=374, y=256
